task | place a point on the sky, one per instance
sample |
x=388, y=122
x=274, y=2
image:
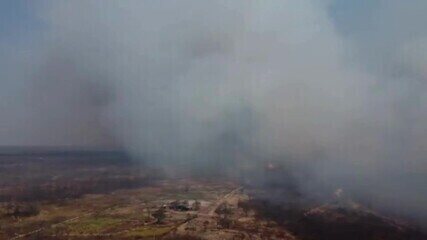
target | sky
x=336, y=86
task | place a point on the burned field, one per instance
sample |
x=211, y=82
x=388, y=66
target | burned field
x=104, y=195
x=332, y=221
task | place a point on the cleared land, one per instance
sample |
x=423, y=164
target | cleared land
x=92, y=195
x=122, y=214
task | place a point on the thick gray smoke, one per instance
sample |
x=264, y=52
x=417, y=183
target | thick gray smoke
x=229, y=85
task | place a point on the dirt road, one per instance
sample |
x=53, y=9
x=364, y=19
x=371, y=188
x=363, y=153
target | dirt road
x=209, y=212
x=226, y=198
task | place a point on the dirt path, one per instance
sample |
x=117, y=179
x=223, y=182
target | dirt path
x=53, y=225
x=209, y=212
x=222, y=200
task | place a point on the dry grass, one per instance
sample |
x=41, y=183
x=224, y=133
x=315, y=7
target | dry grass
x=149, y=231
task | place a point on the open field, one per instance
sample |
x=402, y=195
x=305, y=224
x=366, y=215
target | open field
x=105, y=196
x=91, y=195
x=122, y=214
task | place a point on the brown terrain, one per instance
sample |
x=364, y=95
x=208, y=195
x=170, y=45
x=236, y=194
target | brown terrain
x=104, y=195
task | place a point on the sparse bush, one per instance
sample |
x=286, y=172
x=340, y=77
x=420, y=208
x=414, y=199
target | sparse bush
x=22, y=209
x=159, y=215
x=223, y=209
x=245, y=206
x=224, y=222
x=196, y=205
x=205, y=225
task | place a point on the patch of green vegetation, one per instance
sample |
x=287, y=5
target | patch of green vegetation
x=93, y=225
x=149, y=231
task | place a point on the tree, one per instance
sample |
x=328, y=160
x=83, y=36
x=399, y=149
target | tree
x=186, y=188
x=196, y=205
x=159, y=215
x=223, y=209
x=188, y=217
x=205, y=225
x=224, y=222
x=245, y=206
x=22, y=209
